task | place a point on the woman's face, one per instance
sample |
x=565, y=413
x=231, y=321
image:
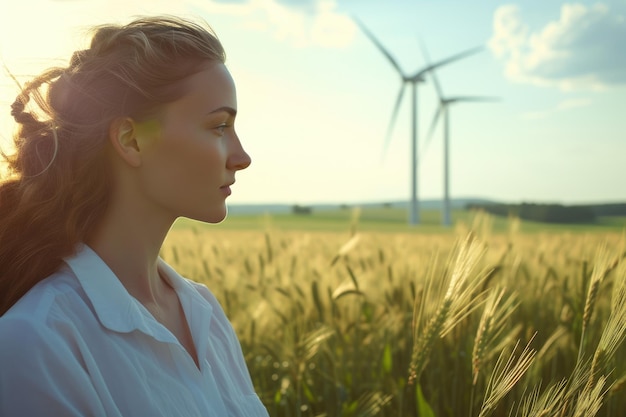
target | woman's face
x=190, y=168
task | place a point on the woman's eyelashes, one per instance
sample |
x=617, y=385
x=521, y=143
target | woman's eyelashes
x=222, y=127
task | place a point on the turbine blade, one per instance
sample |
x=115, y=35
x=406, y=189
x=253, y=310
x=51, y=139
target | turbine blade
x=448, y=60
x=433, y=125
x=472, y=98
x=379, y=45
x=394, y=116
x=432, y=72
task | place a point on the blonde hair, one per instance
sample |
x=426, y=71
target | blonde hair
x=59, y=180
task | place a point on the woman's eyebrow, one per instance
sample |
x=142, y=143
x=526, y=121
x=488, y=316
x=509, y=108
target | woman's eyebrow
x=226, y=109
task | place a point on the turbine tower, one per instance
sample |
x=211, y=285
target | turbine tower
x=443, y=111
x=413, y=79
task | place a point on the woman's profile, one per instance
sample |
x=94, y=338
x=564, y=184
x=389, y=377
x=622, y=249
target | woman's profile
x=137, y=131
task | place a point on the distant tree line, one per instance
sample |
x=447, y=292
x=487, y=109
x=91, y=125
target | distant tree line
x=298, y=209
x=612, y=209
x=547, y=213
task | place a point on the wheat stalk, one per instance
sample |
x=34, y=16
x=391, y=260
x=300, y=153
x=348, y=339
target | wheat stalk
x=504, y=377
x=459, y=300
x=576, y=382
x=585, y=375
x=613, y=333
x=601, y=269
x=491, y=325
x=590, y=399
x=345, y=248
x=546, y=404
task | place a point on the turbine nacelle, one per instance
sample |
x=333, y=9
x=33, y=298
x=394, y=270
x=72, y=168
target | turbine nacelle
x=416, y=78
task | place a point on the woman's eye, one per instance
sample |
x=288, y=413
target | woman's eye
x=220, y=128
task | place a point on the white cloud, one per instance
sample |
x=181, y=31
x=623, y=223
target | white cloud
x=308, y=23
x=582, y=49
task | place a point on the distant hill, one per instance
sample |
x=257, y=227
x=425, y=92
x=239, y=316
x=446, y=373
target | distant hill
x=251, y=209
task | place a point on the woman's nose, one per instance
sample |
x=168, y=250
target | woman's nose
x=239, y=158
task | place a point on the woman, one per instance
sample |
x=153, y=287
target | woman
x=137, y=131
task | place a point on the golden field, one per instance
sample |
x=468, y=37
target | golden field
x=464, y=323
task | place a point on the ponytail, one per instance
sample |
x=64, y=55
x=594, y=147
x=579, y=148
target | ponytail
x=49, y=204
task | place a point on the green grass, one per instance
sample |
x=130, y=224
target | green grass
x=392, y=220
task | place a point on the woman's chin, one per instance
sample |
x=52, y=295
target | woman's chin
x=214, y=217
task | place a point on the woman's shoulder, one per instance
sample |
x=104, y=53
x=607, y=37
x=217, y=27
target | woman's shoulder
x=46, y=302
x=30, y=328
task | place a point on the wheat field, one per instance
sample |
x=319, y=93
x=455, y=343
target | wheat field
x=466, y=323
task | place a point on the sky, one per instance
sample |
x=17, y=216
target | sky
x=316, y=96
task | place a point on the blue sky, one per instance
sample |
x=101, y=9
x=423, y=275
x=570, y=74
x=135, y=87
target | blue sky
x=316, y=96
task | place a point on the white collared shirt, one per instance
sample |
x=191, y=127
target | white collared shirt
x=78, y=344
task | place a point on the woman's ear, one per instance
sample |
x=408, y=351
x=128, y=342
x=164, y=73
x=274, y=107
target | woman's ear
x=123, y=134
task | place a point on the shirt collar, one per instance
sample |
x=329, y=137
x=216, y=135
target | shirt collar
x=115, y=308
x=198, y=311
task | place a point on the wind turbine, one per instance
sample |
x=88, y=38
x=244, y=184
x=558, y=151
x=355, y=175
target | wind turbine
x=413, y=79
x=443, y=111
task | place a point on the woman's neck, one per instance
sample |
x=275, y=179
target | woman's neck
x=129, y=240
